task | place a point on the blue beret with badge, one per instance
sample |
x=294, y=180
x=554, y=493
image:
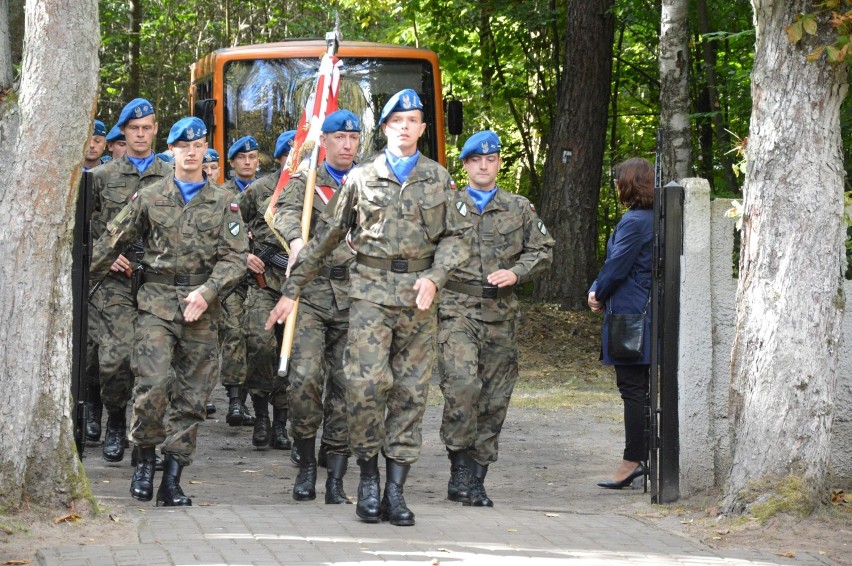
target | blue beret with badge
x=284, y=143
x=243, y=145
x=115, y=135
x=211, y=156
x=105, y=159
x=99, y=129
x=136, y=108
x=403, y=101
x=485, y=142
x=341, y=121
x=187, y=129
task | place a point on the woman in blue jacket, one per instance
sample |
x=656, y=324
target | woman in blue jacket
x=624, y=286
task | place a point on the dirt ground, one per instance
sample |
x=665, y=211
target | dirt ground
x=563, y=433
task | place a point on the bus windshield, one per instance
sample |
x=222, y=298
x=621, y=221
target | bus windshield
x=265, y=97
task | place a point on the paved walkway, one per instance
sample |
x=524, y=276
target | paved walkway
x=324, y=534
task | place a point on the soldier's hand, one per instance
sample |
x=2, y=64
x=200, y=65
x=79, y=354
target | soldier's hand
x=255, y=264
x=425, y=293
x=195, y=306
x=503, y=278
x=120, y=264
x=296, y=246
x=280, y=312
x=594, y=304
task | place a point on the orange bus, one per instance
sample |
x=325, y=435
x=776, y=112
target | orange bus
x=261, y=90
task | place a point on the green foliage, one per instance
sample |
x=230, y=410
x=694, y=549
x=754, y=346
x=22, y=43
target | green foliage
x=836, y=44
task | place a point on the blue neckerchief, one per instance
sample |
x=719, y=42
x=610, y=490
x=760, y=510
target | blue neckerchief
x=401, y=166
x=481, y=198
x=142, y=163
x=337, y=174
x=242, y=184
x=189, y=190
x=87, y=168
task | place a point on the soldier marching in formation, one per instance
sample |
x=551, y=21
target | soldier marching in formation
x=385, y=238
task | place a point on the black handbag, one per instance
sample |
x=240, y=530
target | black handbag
x=626, y=334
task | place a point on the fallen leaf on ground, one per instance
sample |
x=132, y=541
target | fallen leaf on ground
x=70, y=518
x=114, y=518
x=551, y=514
x=787, y=554
x=252, y=471
x=14, y=562
x=195, y=482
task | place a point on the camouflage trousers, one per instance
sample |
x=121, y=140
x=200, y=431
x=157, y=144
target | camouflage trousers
x=319, y=344
x=232, y=343
x=112, y=326
x=478, y=368
x=388, y=363
x=190, y=350
x=262, y=350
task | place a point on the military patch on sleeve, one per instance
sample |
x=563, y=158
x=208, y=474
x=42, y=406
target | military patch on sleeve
x=532, y=207
x=234, y=207
x=136, y=194
x=234, y=228
x=541, y=228
x=453, y=185
x=462, y=208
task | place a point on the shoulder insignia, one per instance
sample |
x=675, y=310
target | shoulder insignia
x=343, y=181
x=234, y=228
x=541, y=227
x=462, y=208
x=532, y=207
x=136, y=194
x=234, y=208
x=296, y=175
x=453, y=185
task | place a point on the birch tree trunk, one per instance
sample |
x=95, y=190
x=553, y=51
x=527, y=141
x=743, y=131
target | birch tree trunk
x=674, y=91
x=790, y=298
x=43, y=137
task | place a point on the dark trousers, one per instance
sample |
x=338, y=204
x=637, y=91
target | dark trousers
x=632, y=383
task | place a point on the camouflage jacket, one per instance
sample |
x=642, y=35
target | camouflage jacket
x=322, y=292
x=253, y=203
x=204, y=238
x=421, y=218
x=506, y=235
x=115, y=182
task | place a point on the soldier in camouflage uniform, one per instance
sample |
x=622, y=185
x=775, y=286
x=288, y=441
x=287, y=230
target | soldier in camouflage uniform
x=268, y=264
x=97, y=145
x=242, y=156
x=211, y=165
x=196, y=249
x=477, y=317
x=408, y=228
x=323, y=318
x=116, y=143
x=112, y=318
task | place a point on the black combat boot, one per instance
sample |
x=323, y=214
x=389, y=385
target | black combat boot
x=248, y=418
x=393, y=507
x=368, y=490
x=457, y=487
x=134, y=459
x=142, y=484
x=95, y=413
x=294, y=455
x=477, y=496
x=334, y=494
x=305, y=488
x=235, y=406
x=280, y=441
x=260, y=437
x=116, y=432
x=322, y=461
x=210, y=409
x=170, y=493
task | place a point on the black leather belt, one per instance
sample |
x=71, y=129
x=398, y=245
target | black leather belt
x=178, y=279
x=338, y=273
x=484, y=291
x=397, y=265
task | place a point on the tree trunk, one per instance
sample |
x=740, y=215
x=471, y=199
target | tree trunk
x=572, y=171
x=674, y=91
x=38, y=460
x=7, y=71
x=790, y=297
x=134, y=61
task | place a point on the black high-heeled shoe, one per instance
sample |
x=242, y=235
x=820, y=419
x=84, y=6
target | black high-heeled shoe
x=638, y=471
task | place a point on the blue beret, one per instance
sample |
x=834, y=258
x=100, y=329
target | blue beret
x=100, y=129
x=187, y=129
x=115, y=135
x=341, y=121
x=485, y=142
x=243, y=145
x=211, y=156
x=166, y=156
x=402, y=101
x=284, y=143
x=105, y=159
x=136, y=108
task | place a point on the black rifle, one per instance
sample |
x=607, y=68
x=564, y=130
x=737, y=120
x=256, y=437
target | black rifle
x=265, y=255
x=81, y=255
